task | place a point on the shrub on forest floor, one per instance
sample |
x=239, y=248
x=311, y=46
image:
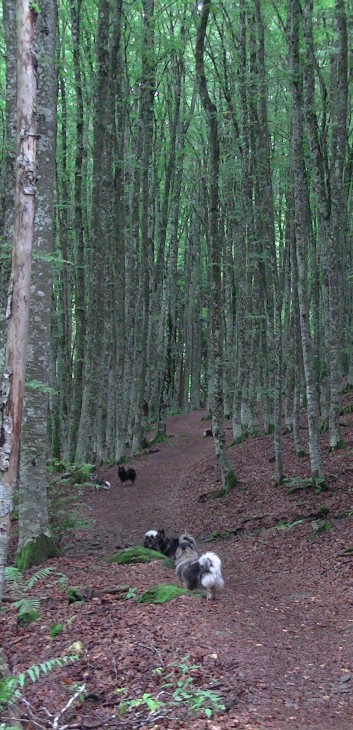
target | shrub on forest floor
x=138, y=554
x=163, y=593
x=11, y=686
x=178, y=694
x=27, y=606
x=298, y=484
x=319, y=528
x=73, y=473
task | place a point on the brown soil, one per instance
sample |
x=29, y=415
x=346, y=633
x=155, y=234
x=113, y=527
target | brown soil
x=276, y=645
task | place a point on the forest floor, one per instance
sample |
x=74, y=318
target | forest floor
x=275, y=649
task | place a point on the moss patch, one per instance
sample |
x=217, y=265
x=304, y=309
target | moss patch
x=36, y=552
x=138, y=554
x=163, y=593
x=231, y=480
x=75, y=595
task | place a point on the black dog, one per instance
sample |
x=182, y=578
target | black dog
x=126, y=475
x=208, y=432
x=157, y=540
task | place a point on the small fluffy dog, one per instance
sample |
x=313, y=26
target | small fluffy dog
x=126, y=475
x=202, y=572
x=208, y=432
x=157, y=540
x=150, y=539
x=94, y=479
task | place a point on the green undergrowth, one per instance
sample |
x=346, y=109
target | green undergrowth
x=19, y=586
x=299, y=484
x=346, y=409
x=159, y=438
x=163, y=593
x=178, y=695
x=75, y=595
x=231, y=483
x=73, y=473
x=347, y=551
x=138, y=554
x=36, y=552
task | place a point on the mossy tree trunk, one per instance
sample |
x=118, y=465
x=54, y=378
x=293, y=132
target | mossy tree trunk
x=7, y=181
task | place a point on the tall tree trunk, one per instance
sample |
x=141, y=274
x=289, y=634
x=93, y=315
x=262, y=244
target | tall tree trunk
x=7, y=181
x=228, y=477
x=88, y=436
x=80, y=300
x=269, y=242
x=302, y=232
x=337, y=240
x=35, y=541
x=147, y=101
x=13, y=378
x=330, y=198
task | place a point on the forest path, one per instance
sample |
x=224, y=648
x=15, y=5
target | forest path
x=278, y=639
x=156, y=499
x=276, y=628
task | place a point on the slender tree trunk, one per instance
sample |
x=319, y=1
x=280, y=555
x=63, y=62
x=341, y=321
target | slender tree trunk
x=269, y=243
x=302, y=231
x=331, y=203
x=147, y=101
x=61, y=366
x=88, y=437
x=339, y=108
x=228, y=477
x=7, y=181
x=80, y=318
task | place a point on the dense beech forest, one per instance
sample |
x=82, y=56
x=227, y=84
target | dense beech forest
x=192, y=242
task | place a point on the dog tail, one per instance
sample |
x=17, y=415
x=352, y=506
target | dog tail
x=187, y=541
x=211, y=571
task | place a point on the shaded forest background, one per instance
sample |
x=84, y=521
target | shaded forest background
x=193, y=237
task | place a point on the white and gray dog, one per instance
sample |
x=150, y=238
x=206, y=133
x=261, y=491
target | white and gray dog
x=203, y=572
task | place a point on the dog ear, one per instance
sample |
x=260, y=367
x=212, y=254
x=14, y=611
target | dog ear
x=161, y=532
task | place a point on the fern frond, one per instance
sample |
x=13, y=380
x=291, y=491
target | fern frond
x=39, y=575
x=13, y=575
x=26, y=605
x=36, y=670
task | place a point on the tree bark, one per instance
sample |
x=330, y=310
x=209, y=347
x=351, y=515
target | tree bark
x=7, y=182
x=12, y=386
x=146, y=222
x=228, y=477
x=35, y=541
x=302, y=232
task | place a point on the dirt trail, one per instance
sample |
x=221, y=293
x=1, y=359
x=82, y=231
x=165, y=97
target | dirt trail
x=278, y=639
x=278, y=625
x=156, y=498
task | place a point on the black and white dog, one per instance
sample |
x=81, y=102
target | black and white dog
x=94, y=479
x=157, y=540
x=196, y=572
